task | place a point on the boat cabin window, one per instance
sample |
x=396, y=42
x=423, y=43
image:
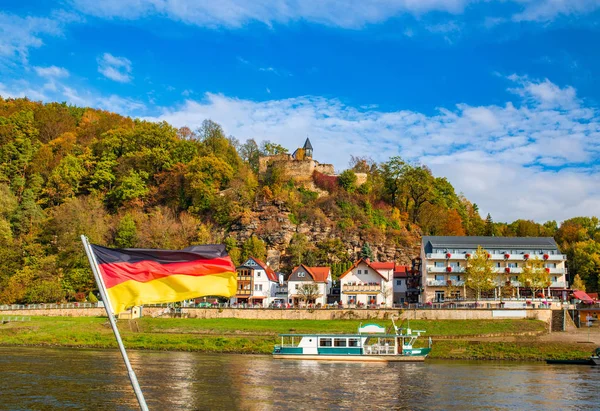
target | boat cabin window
x=352, y=342
x=339, y=342
x=324, y=342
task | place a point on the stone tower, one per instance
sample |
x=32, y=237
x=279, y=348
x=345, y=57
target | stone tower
x=308, y=148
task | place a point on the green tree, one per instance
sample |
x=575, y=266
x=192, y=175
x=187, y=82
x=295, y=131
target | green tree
x=489, y=226
x=366, y=252
x=235, y=253
x=393, y=172
x=126, y=234
x=130, y=188
x=249, y=152
x=347, y=180
x=254, y=247
x=270, y=149
x=480, y=273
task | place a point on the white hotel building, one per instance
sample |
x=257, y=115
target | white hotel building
x=443, y=262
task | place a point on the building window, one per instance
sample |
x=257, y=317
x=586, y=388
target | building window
x=257, y=287
x=339, y=342
x=324, y=342
x=258, y=273
x=297, y=286
x=513, y=265
x=301, y=274
x=498, y=265
x=439, y=264
x=440, y=277
x=398, y=282
x=360, y=271
x=366, y=271
x=439, y=296
x=550, y=265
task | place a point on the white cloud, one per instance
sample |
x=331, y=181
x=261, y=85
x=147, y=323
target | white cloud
x=347, y=14
x=55, y=90
x=115, y=68
x=51, y=71
x=19, y=34
x=548, y=10
x=235, y=13
x=537, y=159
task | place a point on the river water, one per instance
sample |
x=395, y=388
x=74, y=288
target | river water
x=64, y=379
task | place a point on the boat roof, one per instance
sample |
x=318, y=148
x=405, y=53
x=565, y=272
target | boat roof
x=350, y=335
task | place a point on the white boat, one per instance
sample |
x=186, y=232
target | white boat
x=371, y=343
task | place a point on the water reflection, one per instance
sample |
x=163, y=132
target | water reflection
x=35, y=379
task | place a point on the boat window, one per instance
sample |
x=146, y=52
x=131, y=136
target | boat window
x=324, y=342
x=352, y=342
x=339, y=342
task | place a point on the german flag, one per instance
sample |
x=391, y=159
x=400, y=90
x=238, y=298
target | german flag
x=144, y=276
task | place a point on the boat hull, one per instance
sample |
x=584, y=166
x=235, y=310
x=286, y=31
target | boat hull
x=571, y=362
x=352, y=358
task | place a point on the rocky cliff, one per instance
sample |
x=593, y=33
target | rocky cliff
x=271, y=222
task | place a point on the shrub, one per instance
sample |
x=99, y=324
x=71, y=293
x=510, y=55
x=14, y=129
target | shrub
x=92, y=298
x=80, y=297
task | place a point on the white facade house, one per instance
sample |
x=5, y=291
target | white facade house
x=367, y=283
x=400, y=284
x=444, y=260
x=304, y=276
x=258, y=284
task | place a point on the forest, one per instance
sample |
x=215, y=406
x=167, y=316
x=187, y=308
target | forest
x=67, y=171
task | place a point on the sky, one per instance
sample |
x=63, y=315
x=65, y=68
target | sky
x=499, y=96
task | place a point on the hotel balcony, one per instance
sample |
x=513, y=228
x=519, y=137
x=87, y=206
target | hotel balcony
x=554, y=284
x=361, y=288
x=432, y=269
x=497, y=257
x=444, y=283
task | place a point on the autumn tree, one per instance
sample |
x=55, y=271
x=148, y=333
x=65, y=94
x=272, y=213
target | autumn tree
x=578, y=284
x=480, y=273
x=534, y=276
x=308, y=292
x=254, y=247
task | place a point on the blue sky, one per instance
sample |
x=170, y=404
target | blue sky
x=498, y=96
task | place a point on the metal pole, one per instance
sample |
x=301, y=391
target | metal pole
x=95, y=269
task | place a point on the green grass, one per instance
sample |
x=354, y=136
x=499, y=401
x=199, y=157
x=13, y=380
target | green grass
x=259, y=336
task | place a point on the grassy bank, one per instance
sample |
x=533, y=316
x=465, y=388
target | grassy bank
x=259, y=336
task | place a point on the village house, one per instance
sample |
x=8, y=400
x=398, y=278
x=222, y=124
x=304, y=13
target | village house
x=368, y=283
x=309, y=285
x=401, y=279
x=444, y=259
x=257, y=283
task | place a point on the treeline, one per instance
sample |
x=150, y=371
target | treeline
x=67, y=170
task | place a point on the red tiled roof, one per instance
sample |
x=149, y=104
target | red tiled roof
x=362, y=260
x=401, y=271
x=319, y=274
x=382, y=266
x=271, y=275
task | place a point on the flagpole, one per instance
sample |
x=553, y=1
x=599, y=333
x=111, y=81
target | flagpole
x=95, y=269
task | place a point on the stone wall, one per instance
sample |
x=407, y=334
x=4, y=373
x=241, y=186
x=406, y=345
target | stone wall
x=292, y=314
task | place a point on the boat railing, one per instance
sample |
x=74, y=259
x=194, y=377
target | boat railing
x=377, y=349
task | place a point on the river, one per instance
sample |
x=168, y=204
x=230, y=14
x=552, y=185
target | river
x=63, y=379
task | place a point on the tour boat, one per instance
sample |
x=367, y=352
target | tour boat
x=371, y=343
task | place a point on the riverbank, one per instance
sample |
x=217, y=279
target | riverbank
x=453, y=339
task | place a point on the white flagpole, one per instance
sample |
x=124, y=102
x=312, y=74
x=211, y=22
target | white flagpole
x=113, y=324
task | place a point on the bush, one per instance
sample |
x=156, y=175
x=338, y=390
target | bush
x=92, y=298
x=80, y=297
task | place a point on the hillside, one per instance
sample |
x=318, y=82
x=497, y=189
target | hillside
x=67, y=170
